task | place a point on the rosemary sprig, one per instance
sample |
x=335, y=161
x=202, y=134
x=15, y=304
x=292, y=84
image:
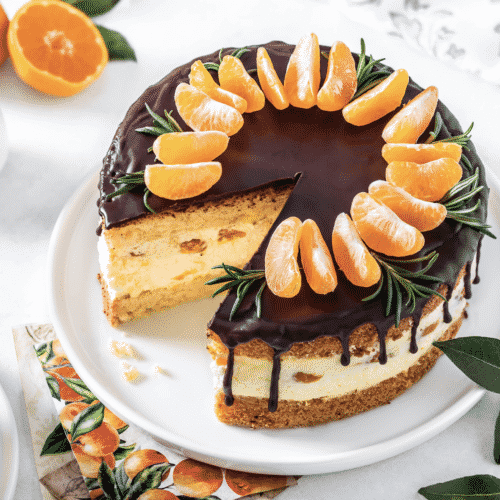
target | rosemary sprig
x=130, y=181
x=243, y=280
x=456, y=200
x=461, y=139
x=160, y=125
x=401, y=281
x=236, y=53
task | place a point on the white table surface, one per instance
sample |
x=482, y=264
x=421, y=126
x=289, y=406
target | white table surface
x=55, y=143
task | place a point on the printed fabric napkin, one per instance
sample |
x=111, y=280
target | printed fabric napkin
x=82, y=450
x=463, y=33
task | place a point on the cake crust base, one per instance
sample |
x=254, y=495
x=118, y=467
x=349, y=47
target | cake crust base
x=253, y=412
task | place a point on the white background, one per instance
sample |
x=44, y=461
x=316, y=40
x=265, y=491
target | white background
x=55, y=143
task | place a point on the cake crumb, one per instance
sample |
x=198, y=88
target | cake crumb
x=158, y=370
x=121, y=349
x=129, y=373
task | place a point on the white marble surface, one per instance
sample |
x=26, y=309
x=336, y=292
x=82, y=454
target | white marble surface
x=55, y=143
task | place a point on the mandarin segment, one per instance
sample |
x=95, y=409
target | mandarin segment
x=55, y=47
x=341, y=79
x=427, y=181
x=201, y=78
x=177, y=182
x=378, y=101
x=282, y=270
x=316, y=259
x=302, y=77
x=351, y=254
x=424, y=215
x=421, y=153
x=382, y=230
x=201, y=112
x=234, y=77
x=190, y=147
x=269, y=81
x=408, y=124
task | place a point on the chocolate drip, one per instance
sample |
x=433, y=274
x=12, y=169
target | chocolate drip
x=446, y=307
x=345, y=359
x=335, y=160
x=382, y=356
x=414, y=327
x=467, y=281
x=228, y=379
x=477, y=279
x=275, y=377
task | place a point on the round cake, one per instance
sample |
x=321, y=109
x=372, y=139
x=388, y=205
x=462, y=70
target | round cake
x=294, y=361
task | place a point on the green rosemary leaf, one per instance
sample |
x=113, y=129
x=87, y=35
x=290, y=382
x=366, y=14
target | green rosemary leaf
x=251, y=71
x=429, y=291
x=211, y=66
x=220, y=54
x=431, y=255
x=149, y=130
x=258, y=299
x=377, y=291
x=430, y=278
x=362, y=55
x=239, y=272
x=220, y=279
x=161, y=121
x=325, y=55
x=239, y=52
x=172, y=122
x=438, y=125
x=462, y=199
x=461, y=139
x=240, y=295
x=225, y=287
x=118, y=192
x=390, y=292
x=367, y=87
x=486, y=232
x=145, y=200
x=460, y=187
x=467, y=210
x=467, y=163
x=399, y=303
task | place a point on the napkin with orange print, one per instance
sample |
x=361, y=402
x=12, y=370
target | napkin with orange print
x=118, y=461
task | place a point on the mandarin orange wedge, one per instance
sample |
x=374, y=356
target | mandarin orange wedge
x=421, y=153
x=378, y=101
x=382, y=230
x=302, y=78
x=427, y=181
x=200, y=78
x=4, y=26
x=234, y=77
x=201, y=112
x=341, y=80
x=316, y=259
x=269, y=81
x=351, y=254
x=424, y=215
x=176, y=182
x=190, y=147
x=282, y=270
x=55, y=47
x=408, y=124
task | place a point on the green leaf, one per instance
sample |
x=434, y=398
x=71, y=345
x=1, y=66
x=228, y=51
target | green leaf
x=56, y=443
x=107, y=482
x=41, y=350
x=53, y=386
x=121, y=479
x=80, y=388
x=478, y=487
x=90, y=483
x=93, y=7
x=147, y=479
x=123, y=451
x=118, y=47
x=477, y=357
x=87, y=420
x=496, y=446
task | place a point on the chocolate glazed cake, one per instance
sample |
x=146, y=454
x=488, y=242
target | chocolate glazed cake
x=312, y=358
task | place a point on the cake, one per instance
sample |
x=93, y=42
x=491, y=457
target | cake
x=297, y=361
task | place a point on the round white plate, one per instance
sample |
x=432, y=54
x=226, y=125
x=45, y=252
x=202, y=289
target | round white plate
x=9, y=449
x=177, y=408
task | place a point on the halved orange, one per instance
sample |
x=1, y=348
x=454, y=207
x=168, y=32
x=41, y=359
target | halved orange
x=341, y=80
x=55, y=47
x=201, y=112
x=378, y=101
x=4, y=26
x=302, y=76
x=382, y=230
x=190, y=147
x=282, y=270
x=316, y=259
x=351, y=254
x=234, y=77
x=421, y=153
x=408, y=124
x=200, y=78
x=424, y=215
x=176, y=182
x=269, y=81
x=427, y=181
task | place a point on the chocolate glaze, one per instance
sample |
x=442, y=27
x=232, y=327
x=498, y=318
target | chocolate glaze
x=329, y=161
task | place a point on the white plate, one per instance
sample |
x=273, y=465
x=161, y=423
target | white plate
x=9, y=449
x=177, y=408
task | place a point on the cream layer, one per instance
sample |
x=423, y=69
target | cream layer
x=252, y=377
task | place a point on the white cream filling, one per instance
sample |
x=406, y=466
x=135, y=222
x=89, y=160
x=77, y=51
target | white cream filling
x=252, y=377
